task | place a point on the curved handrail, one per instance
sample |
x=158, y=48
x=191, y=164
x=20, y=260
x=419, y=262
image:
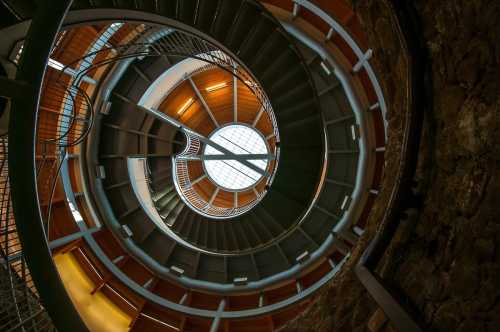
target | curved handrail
x=175, y=45
x=229, y=315
x=363, y=57
x=76, y=114
x=185, y=281
x=305, y=293
x=22, y=124
x=402, y=196
x=184, y=186
x=20, y=298
x=295, y=270
x=186, y=45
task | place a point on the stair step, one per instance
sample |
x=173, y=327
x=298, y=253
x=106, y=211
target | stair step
x=212, y=240
x=278, y=65
x=241, y=236
x=168, y=8
x=187, y=224
x=232, y=241
x=262, y=228
x=181, y=220
x=253, y=237
x=201, y=237
x=253, y=41
x=169, y=207
x=174, y=214
x=205, y=14
x=274, y=226
x=293, y=74
x=145, y=5
x=296, y=111
x=102, y=3
x=224, y=18
x=159, y=194
x=80, y=4
x=294, y=93
x=163, y=201
x=22, y=10
x=194, y=235
x=223, y=236
x=194, y=228
x=271, y=49
x=140, y=229
x=8, y=16
x=186, y=11
x=247, y=15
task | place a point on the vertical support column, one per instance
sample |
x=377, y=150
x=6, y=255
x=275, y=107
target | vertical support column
x=235, y=96
x=257, y=117
x=23, y=118
x=184, y=298
x=295, y=12
x=374, y=107
x=332, y=264
x=216, y=321
x=212, y=198
x=329, y=35
x=298, y=286
x=203, y=102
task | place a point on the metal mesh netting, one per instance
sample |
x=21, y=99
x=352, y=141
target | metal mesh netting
x=20, y=308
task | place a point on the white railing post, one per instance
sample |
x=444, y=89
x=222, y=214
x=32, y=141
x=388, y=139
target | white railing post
x=362, y=61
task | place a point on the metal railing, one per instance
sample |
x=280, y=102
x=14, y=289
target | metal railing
x=402, y=196
x=154, y=42
x=363, y=56
x=50, y=114
x=184, y=185
x=149, y=41
x=65, y=118
x=70, y=126
x=178, y=43
x=403, y=200
x=56, y=142
x=65, y=115
x=20, y=307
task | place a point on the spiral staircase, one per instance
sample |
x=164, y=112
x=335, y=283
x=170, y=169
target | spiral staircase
x=125, y=98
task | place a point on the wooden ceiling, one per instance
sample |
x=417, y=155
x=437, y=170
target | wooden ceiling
x=220, y=102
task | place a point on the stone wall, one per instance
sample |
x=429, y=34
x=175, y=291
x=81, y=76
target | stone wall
x=446, y=265
x=344, y=305
x=450, y=266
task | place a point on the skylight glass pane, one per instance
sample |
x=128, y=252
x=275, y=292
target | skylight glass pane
x=232, y=174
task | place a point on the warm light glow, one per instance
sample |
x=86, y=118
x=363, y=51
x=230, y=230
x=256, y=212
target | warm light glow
x=250, y=83
x=121, y=297
x=160, y=321
x=55, y=64
x=96, y=309
x=216, y=87
x=186, y=105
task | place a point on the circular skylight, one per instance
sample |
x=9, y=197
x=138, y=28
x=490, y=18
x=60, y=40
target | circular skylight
x=230, y=171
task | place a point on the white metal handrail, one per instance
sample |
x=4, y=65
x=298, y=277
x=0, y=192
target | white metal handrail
x=177, y=43
x=363, y=57
x=184, y=186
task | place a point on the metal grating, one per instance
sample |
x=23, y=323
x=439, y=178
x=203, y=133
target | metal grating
x=20, y=308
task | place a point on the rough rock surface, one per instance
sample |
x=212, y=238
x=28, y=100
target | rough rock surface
x=446, y=265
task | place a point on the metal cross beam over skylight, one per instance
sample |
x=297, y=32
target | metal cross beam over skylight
x=231, y=156
x=224, y=153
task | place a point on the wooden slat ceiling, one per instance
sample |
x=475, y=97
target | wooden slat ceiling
x=220, y=102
